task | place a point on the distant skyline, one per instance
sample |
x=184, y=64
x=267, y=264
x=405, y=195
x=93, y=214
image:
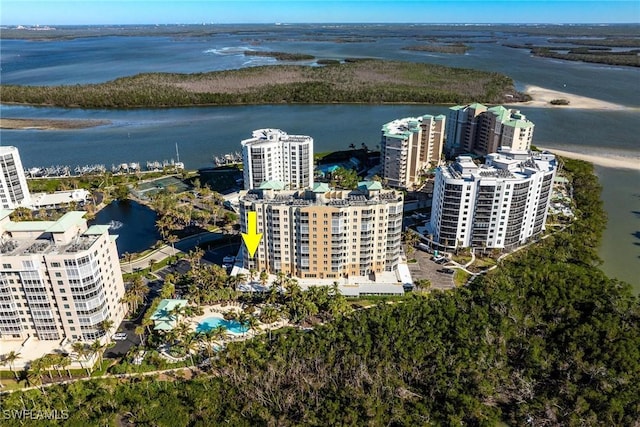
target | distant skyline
x=88, y=12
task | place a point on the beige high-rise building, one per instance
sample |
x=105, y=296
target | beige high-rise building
x=410, y=145
x=480, y=130
x=324, y=233
x=59, y=280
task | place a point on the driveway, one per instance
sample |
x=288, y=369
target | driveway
x=427, y=269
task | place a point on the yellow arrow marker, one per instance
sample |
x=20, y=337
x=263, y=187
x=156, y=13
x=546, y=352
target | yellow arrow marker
x=252, y=237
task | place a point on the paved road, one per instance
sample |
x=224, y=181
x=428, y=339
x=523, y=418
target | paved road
x=184, y=245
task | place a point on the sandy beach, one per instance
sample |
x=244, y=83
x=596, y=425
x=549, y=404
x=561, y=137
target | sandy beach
x=542, y=99
x=609, y=161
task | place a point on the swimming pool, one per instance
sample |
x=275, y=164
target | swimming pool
x=213, y=322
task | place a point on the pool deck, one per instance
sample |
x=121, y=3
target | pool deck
x=218, y=311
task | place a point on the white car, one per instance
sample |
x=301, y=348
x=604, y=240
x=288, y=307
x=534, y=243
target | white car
x=120, y=336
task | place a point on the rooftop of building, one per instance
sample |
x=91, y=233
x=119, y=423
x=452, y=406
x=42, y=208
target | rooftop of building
x=368, y=193
x=7, y=149
x=164, y=316
x=402, y=128
x=515, y=165
x=58, y=198
x=24, y=238
x=260, y=136
x=384, y=283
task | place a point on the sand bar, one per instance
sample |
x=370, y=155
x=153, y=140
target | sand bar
x=609, y=161
x=49, y=124
x=542, y=99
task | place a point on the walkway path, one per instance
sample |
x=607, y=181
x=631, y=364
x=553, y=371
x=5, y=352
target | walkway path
x=165, y=251
x=107, y=376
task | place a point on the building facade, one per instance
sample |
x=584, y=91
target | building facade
x=14, y=192
x=408, y=146
x=274, y=155
x=501, y=204
x=58, y=279
x=325, y=233
x=480, y=130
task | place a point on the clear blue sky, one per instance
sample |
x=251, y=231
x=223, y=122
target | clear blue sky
x=67, y=12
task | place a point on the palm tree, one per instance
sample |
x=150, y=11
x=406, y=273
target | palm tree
x=80, y=349
x=252, y=274
x=269, y=314
x=253, y=323
x=172, y=239
x=34, y=374
x=10, y=359
x=139, y=331
x=264, y=277
x=106, y=325
x=190, y=345
x=207, y=340
x=64, y=363
x=46, y=362
x=96, y=348
x=219, y=333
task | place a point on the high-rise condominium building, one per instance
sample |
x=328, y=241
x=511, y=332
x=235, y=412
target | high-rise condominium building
x=58, y=279
x=324, y=233
x=408, y=146
x=13, y=184
x=477, y=129
x=500, y=204
x=272, y=154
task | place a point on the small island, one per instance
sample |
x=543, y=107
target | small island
x=353, y=81
x=451, y=48
x=49, y=124
x=280, y=56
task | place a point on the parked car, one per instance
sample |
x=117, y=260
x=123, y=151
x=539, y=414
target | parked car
x=447, y=271
x=424, y=247
x=120, y=336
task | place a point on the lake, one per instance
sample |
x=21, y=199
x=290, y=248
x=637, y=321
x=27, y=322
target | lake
x=201, y=133
x=133, y=223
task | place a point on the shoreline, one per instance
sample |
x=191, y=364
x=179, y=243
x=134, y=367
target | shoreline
x=616, y=162
x=542, y=97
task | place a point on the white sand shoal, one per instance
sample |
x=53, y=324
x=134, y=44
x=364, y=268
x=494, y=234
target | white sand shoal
x=542, y=98
x=609, y=161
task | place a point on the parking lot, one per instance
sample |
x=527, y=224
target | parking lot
x=425, y=268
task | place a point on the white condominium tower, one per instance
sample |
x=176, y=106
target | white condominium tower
x=13, y=184
x=500, y=204
x=272, y=154
x=58, y=279
x=324, y=233
x=477, y=129
x=408, y=146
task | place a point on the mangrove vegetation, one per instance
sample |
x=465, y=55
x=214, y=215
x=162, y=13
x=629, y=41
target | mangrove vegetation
x=354, y=81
